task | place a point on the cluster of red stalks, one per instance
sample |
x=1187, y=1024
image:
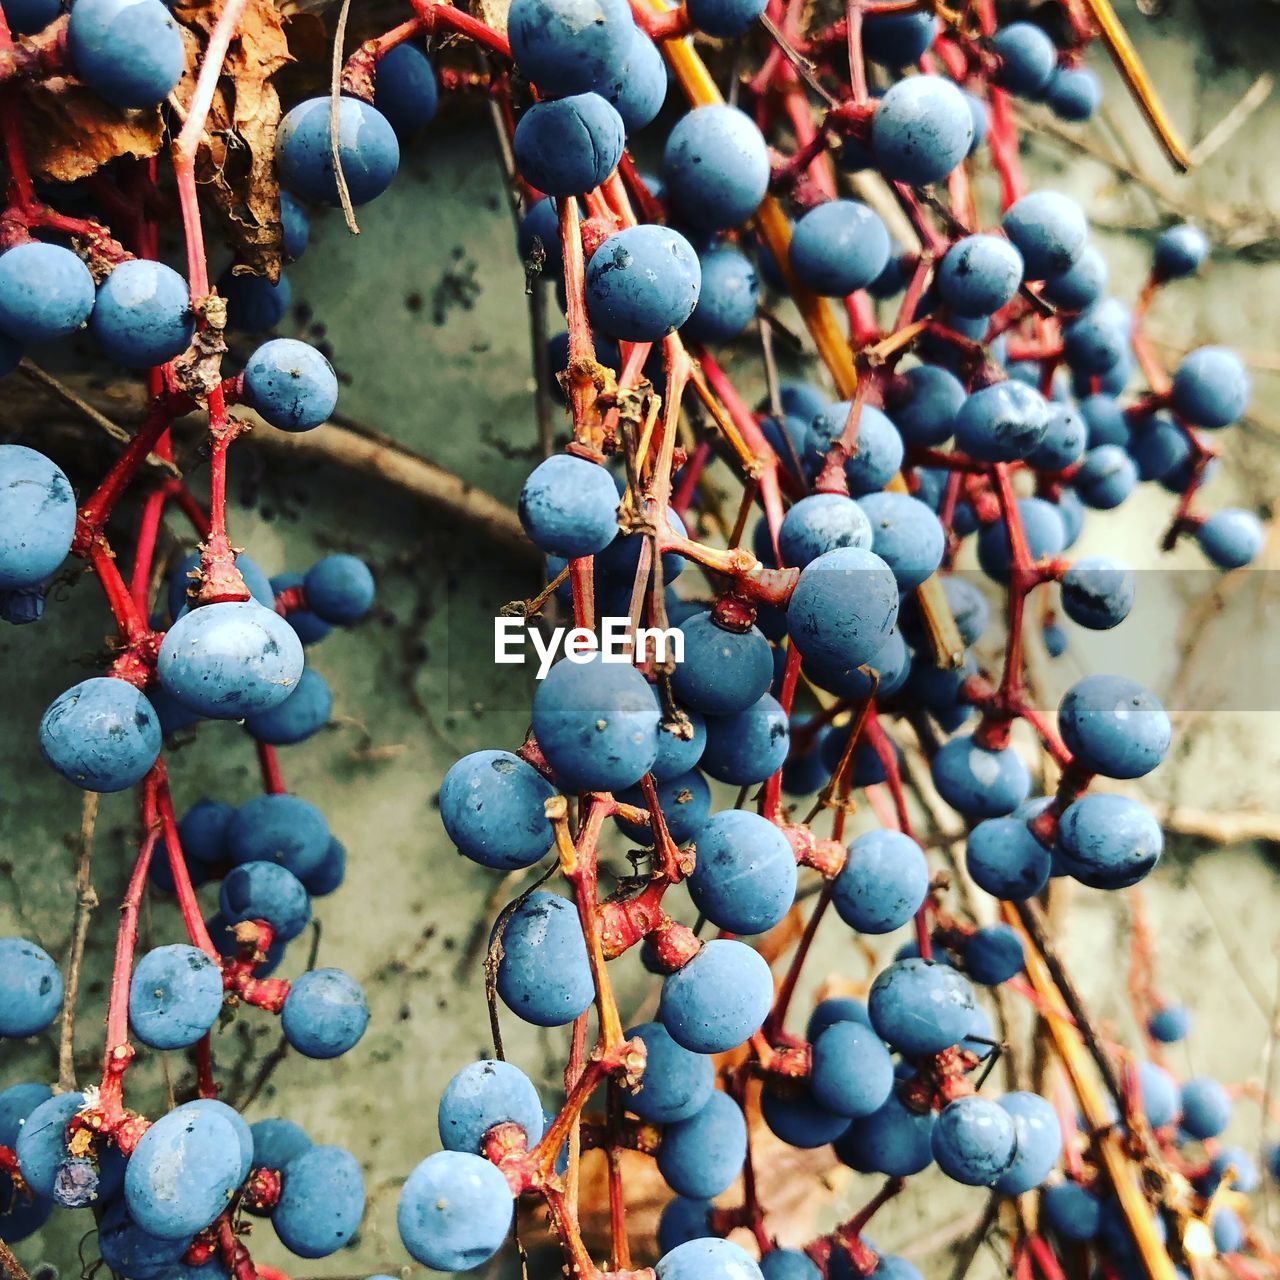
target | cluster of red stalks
x=620, y=412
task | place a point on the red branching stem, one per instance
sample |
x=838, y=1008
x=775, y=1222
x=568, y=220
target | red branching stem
x=192, y=917
x=436, y=15
x=118, y=1051
x=269, y=762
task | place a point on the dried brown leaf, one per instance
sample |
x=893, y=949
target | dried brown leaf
x=71, y=133
x=235, y=163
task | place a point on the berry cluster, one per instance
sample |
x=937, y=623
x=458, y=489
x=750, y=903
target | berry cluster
x=985, y=412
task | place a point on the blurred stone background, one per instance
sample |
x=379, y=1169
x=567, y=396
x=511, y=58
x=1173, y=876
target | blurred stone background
x=426, y=322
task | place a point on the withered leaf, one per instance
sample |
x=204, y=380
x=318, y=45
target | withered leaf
x=235, y=164
x=71, y=133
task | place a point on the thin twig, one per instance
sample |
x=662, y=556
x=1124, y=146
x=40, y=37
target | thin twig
x=335, y=118
x=86, y=901
x=10, y=1267
x=1230, y=124
x=34, y=373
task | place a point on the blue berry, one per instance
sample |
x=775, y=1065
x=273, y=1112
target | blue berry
x=924, y=404
x=1063, y=442
x=725, y=18
x=676, y=755
x=1231, y=538
x=834, y=1010
x=897, y=39
x=1028, y=59
x=276, y=1142
x=685, y=801
x=1228, y=1231
x=17, y=1102
x=281, y=829
x=638, y=87
x=843, y=608
x=920, y=1008
x=405, y=90
x=723, y=672
x=367, y=149
x=46, y=292
x=1206, y=1107
x=1006, y=860
x=1071, y=1211
x=702, y=1155
x=568, y=46
x=485, y=1094
x=748, y=746
x=1210, y=387
x=788, y=1264
x=683, y=1220
x=325, y=1013
x=1042, y=527
x=745, y=877
x=455, y=1211
x=1049, y=230
x=570, y=145
x=1105, y=420
x=1038, y=1142
x=129, y=52
x=906, y=535
x=295, y=226
x=1245, y=1177
x=596, y=723
x=882, y=883
x=569, y=507
x=26, y=17
x=230, y=660
x=1002, y=422
x=127, y=1250
x=676, y=1083
x=175, y=996
x=492, y=806
x=321, y=1202
x=329, y=875
x=1161, y=1098
x=838, y=247
x=339, y=590
x=102, y=734
x=1073, y=93
x=876, y=454
x=893, y=1140
x=30, y=988
x=727, y=298
x=821, y=522
x=543, y=975
x=303, y=713
x=142, y=316
x=1097, y=340
x=707, y=1260
x=1097, y=592
x=716, y=167
x=974, y=1141
x=264, y=891
x=852, y=1072
x=1170, y=1023
x=798, y=1120
x=978, y=782
x=642, y=283
x=979, y=275
x=1114, y=726
x=1106, y=477
x=993, y=954
x=291, y=384
x=1180, y=252
x=182, y=1172
x=719, y=999
x=921, y=130
x=1080, y=285
x=254, y=304
x=1108, y=842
